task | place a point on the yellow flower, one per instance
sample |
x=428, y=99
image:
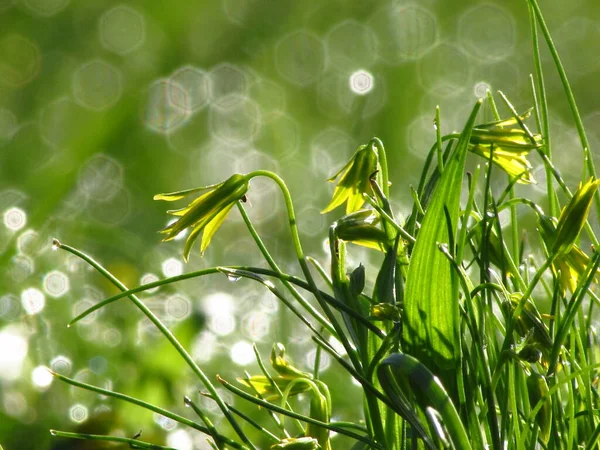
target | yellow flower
x=510, y=146
x=574, y=216
x=354, y=180
x=206, y=213
x=263, y=387
x=282, y=366
x=567, y=267
x=286, y=373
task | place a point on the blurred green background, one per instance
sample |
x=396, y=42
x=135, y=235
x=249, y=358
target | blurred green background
x=103, y=104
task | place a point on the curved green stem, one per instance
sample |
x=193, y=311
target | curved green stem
x=510, y=325
x=257, y=401
x=167, y=333
x=263, y=249
x=382, y=157
x=568, y=91
x=302, y=261
x=133, y=443
x=143, y=404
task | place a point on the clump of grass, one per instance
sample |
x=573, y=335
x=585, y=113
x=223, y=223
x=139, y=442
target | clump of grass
x=464, y=342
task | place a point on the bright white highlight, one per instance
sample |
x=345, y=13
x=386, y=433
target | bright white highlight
x=78, y=413
x=180, y=439
x=172, y=267
x=41, y=378
x=481, y=89
x=361, y=82
x=33, y=301
x=242, y=353
x=14, y=350
x=15, y=218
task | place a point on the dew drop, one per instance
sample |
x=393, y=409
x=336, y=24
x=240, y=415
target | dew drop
x=232, y=277
x=53, y=432
x=187, y=401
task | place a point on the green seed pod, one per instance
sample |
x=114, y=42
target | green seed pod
x=538, y=389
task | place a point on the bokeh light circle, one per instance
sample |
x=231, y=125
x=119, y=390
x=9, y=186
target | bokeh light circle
x=15, y=218
x=361, y=82
x=33, y=301
x=56, y=284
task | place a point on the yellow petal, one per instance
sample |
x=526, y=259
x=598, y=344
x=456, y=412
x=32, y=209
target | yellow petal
x=213, y=226
x=355, y=201
x=340, y=194
x=174, y=196
x=189, y=242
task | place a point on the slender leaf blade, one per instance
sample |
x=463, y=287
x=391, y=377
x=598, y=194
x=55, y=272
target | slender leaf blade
x=430, y=329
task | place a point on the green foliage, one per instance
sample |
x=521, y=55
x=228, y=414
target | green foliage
x=449, y=353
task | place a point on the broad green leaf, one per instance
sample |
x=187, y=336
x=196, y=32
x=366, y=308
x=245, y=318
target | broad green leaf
x=414, y=390
x=430, y=319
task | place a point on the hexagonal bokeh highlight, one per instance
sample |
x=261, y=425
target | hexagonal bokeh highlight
x=167, y=106
x=61, y=364
x=351, y=44
x=97, y=85
x=361, y=82
x=487, y=32
x=269, y=95
x=196, y=83
x=235, y=121
x=122, y=29
x=58, y=120
x=445, y=71
x=227, y=79
x=56, y=284
x=45, y=8
x=20, y=60
x=329, y=150
x=15, y=218
x=78, y=413
x=178, y=307
x=404, y=31
x=100, y=178
x=300, y=57
x=279, y=136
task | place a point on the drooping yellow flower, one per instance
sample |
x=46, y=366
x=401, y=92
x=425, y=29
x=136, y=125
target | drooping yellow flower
x=286, y=373
x=574, y=216
x=354, y=180
x=570, y=262
x=510, y=146
x=206, y=213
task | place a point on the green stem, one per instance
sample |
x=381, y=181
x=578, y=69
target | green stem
x=303, y=264
x=257, y=401
x=145, y=405
x=567, y=88
x=510, y=326
x=263, y=249
x=438, y=138
x=382, y=157
x=167, y=333
x=133, y=443
x=543, y=103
